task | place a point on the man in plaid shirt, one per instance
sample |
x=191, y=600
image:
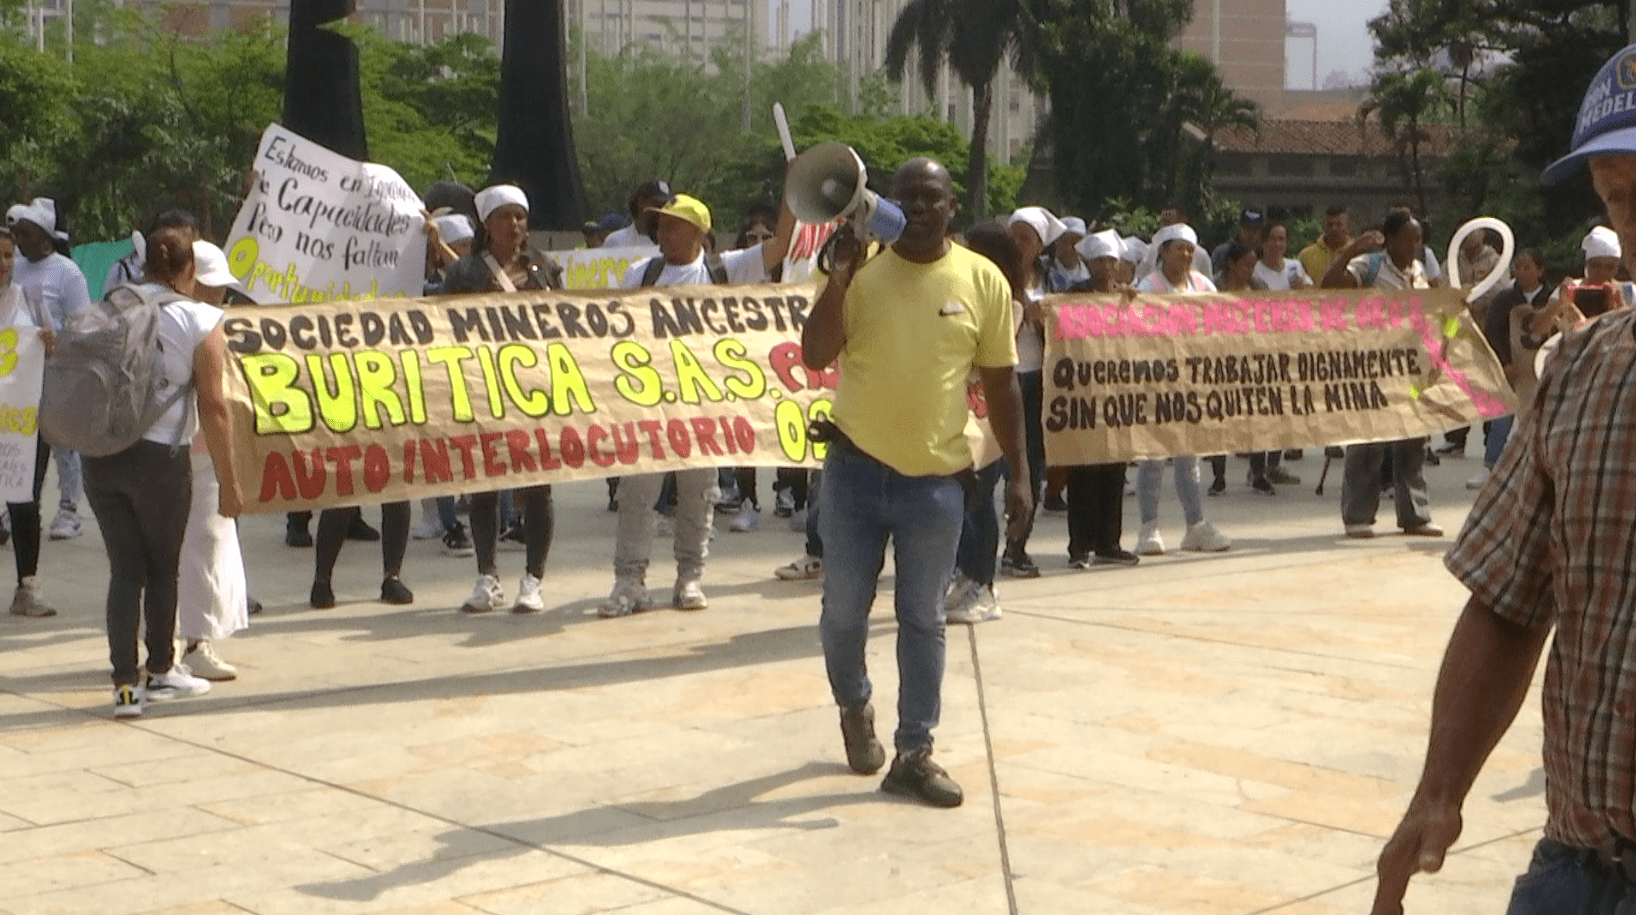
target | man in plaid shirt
x=1551, y=543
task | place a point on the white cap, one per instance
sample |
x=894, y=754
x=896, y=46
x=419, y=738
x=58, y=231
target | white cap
x=453, y=227
x=42, y=211
x=1135, y=250
x=1601, y=242
x=1073, y=225
x=490, y=199
x=1102, y=244
x=210, y=266
x=1045, y=224
x=1180, y=231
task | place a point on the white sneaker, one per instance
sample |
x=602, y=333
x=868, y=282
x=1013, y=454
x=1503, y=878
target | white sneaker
x=529, y=598
x=1360, y=531
x=1150, y=543
x=128, y=702
x=689, y=595
x=626, y=598
x=784, y=503
x=747, y=519
x=204, y=662
x=66, y=526
x=176, y=683
x=957, y=591
x=1204, y=538
x=1480, y=480
x=979, y=604
x=804, y=569
x=430, y=529
x=486, y=595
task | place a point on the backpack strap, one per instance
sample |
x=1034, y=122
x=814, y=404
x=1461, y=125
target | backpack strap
x=1376, y=261
x=717, y=269
x=656, y=266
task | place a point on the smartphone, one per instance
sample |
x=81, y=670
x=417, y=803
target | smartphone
x=1591, y=300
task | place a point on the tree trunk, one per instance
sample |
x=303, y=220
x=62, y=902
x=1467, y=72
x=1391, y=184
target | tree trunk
x=982, y=99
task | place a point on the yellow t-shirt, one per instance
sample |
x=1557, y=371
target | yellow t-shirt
x=914, y=332
x=1317, y=257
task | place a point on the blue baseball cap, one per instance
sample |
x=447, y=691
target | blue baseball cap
x=1607, y=117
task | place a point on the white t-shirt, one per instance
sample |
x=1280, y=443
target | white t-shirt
x=1030, y=339
x=1150, y=263
x=15, y=308
x=743, y=266
x=1286, y=278
x=1389, y=277
x=1157, y=282
x=183, y=326
x=627, y=237
x=55, y=284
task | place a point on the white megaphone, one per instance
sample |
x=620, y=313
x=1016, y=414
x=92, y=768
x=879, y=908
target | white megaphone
x=828, y=182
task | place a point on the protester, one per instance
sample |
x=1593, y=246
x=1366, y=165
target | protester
x=1175, y=246
x=1096, y=508
x=1275, y=271
x=760, y=224
x=596, y=231
x=212, y=596
x=1173, y=214
x=1503, y=330
x=1241, y=273
x=18, y=311
x=1316, y=258
x=56, y=285
x=1600, y=291
x=1035, y=230
x=502, y=260
x=1065, y=267
x=141, y=495
x=683, y=225
x=449, y=237
x=1386, y=258
x=1547, y=546
x=1252, y=227
x=646, y=199
x=128, y=269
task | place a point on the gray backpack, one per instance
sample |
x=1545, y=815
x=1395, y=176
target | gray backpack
x=105, y=385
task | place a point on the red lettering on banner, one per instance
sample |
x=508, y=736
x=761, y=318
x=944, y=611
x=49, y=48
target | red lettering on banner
x=573, y=449
x=655, y=441
x=705, y=432
x=465, y=444
x=434, y=457
x=309, y=473
x=492, y=465
x=377, y=468
x=627, y=448
x=343, y=458
x=745, y=433
x=276, y=482
x=676, y=431
x=521, y=460
x=595, y=436
x=409, y=461
x=727, y=435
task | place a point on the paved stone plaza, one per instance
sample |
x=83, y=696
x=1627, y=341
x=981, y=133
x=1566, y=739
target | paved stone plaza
x=1226, y=734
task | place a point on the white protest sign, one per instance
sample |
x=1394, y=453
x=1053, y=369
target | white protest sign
x=22, y=366
x=318, y=226
x=599, y=268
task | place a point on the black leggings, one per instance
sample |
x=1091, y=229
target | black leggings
x=25, y=519
x=539, y=519
x=1096, y=509
x=332, y=533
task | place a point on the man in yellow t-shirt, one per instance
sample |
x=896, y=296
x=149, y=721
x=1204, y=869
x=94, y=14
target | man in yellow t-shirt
x=1337, y=235
x=908, y=327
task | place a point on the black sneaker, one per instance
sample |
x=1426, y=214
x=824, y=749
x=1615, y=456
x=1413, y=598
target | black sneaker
x=1081, y=561
x=1055, y=504
x=253, y=605
x=1116, y=557
x=1263, y=486
x=298, y=536
x=394, y=591
x=359, y=529
x=1294, y=454
x=1219, y=486
x=914, y=775
x=456, y=542
x=515, y=538
x=323, y=596
x=864, y=754
x=1017, y=564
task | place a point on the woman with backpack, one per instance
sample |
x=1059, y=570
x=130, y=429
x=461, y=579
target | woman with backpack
x=502, y=260
x=141, y=495
x=18, y=312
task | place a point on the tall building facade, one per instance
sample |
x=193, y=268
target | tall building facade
x=1245, y=40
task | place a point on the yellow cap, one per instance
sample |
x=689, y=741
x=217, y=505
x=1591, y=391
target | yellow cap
x=687, y=209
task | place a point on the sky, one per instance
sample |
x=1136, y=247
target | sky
x=1344, y=42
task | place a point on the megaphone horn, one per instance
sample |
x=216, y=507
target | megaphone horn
x=829, y=182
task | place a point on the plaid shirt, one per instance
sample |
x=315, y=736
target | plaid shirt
x=1552, y=541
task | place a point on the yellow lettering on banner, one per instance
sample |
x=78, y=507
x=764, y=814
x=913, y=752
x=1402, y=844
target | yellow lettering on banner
x=410, y=360
x=534, y=402
x=731, y=354
x=567, y=381
x=691, y=377
x=272, y=386
x=8, y=351
x=639, y=382
x=491, y=382
x=339, y=406
x=451, y=357
x=792, y=429
x=376, y=376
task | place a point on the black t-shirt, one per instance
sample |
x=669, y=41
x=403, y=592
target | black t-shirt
x=1497, y=327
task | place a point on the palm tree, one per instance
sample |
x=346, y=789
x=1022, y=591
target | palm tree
x=1407, y=102
x=973, y=37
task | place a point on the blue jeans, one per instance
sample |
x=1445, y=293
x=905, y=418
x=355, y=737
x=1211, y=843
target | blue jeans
x=1149, y=476
x=1562, y=880
x=815, y=541
x=1499, y=432
x=980, y=534
x=865, y=502
x=69, y=487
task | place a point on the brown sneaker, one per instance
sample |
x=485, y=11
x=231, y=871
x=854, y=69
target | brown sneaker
x=863, y=752
x=913, y=774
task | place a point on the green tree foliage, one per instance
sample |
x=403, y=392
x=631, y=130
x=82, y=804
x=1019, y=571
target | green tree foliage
x=1120, y=96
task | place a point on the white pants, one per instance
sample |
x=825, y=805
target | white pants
x=212, y=599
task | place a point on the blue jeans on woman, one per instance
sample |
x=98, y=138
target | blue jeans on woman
x=863, y=503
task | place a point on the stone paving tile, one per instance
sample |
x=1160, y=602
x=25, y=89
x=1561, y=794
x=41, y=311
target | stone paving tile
x=582, y=894
x=41, y=841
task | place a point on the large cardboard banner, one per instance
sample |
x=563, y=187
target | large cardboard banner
x=317, y=227
x=360, y=402
x=1210, y=374
x=22, y=368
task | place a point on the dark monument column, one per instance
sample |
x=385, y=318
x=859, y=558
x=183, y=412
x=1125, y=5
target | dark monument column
x=321, y=97
x=534, y=148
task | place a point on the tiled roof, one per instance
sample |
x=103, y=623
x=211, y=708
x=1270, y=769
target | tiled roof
x=1348, y=137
